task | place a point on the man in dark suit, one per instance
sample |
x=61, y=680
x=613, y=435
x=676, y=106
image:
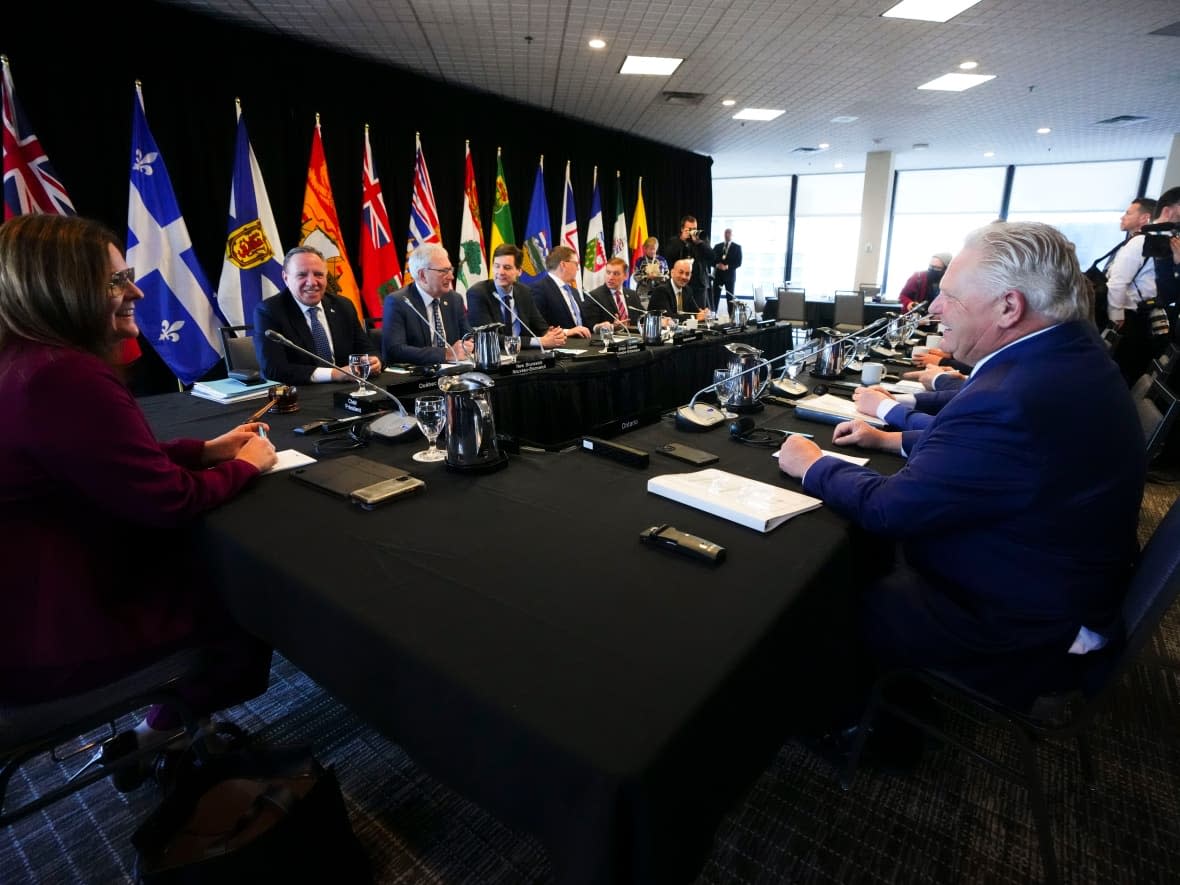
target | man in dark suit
x=676, y=297
x=1017, y=508
x=612, y=301
x=556, y=296
x=337, y=332
x=420, y=319
x=727, y=258
x=690, y=245
x=503, y=300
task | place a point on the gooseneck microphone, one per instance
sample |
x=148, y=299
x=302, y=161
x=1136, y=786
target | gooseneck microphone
x=409, y=302
x=388, y=426
x=523, y=324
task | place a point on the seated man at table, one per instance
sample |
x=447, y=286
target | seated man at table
x=613, y=303
x=675, y=297
x=425, y=323
x=908, y=411
x=557, y=297
x=1016, y=511
x=312, y=317
x=503, y=300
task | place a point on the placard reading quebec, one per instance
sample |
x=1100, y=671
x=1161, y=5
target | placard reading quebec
x=748, y=502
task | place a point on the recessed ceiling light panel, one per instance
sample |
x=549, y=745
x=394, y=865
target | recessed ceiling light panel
x=762, y=114
x=1044, y=130
x=597, y=43
x=968, y=66
x=956, y=82
x=928, y=10
x=728, y=102
x=650, y=65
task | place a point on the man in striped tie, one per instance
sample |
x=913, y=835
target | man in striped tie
x=613, y=302
x=426, y=322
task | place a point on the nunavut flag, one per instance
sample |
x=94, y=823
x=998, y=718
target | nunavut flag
x=321, y=227
x=380, y=271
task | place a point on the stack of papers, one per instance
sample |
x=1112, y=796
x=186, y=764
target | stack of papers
x=230, y=390
x=748, y=502
x=828, y=409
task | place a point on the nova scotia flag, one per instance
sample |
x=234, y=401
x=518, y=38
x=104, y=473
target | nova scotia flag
x=177, y=315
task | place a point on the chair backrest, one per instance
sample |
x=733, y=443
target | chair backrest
x=850, y=309
x=240, y=355
x=1155, y=584
x=1166, y=363
x=868, y=291
x=1158, y=408
x=791, y=305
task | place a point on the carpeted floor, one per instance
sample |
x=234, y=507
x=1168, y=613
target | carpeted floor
x=947, y=821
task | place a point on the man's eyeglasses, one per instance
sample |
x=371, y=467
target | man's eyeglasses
x=121, y=279
x=445, y=271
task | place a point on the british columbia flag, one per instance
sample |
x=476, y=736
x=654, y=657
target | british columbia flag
x=423, y=212
x=30, y=183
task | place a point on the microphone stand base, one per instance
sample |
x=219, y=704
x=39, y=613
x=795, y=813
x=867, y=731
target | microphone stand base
x=395, y=427
x=788, y=388
x=699, y=418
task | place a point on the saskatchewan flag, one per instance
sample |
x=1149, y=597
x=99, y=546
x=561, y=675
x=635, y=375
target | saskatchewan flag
x=501, y=213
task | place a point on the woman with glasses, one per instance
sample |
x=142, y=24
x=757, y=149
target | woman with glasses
x=98, y=580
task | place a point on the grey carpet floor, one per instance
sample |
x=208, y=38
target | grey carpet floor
x=947, y=821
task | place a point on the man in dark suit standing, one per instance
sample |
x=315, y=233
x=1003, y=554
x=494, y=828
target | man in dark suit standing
x=313, y=318
x=1016, y=520
x=420, y=319
x=690, y=245
x=503, y=300
x=676, y=297
x=556, y=296
x=727, y=258
x=613, y=302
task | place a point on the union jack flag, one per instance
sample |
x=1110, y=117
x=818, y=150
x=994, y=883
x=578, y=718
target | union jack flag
x=423, y=212
x=30, y=182
x=379, y=266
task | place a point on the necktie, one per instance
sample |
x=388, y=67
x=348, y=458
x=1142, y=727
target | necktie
x=679, y=299
x=323, y=347
x=621, y=306
x=573, y=302
x=436, y=317
x=510, y=320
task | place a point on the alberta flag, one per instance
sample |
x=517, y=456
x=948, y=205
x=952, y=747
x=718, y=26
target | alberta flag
x=594, y=263
x=380, y=270
x=177, y=315
x=473, y=265
x=253, y=268
x=502, y=231
x=619, y=246
x=569, y=221
x=536, y=232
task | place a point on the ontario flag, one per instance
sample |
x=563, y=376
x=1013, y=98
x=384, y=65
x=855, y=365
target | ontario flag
x=473, y=265
x=424, y=226
x=380, y=271
x=321, y=226
x=30, y=183
x=638, y=228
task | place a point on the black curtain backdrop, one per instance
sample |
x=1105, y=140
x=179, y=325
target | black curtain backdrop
x=75, y=65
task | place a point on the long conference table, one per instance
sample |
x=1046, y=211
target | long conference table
x=512, y=634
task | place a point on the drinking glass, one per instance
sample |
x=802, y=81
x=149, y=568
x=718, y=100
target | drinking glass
x=358, y=364
x=725, y=386
x=431, y=413
x=893, y=334
x=511, y=346
x=607, y=332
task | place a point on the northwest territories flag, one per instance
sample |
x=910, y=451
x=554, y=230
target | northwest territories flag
x=536, y=232
x=253, y=267
x=176, y=315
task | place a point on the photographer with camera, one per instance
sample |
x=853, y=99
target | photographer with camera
x=693, y=245
x=1142, y=279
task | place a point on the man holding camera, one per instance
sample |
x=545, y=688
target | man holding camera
x=691, y=245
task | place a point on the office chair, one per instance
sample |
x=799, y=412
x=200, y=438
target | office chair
x=240, y=355
x=32, y=729
x=868, y=291
x=1153, y=588
x=1165, y=364
x=849, y=312
x=373, y=328
x=792, y=305
x=1158, y=407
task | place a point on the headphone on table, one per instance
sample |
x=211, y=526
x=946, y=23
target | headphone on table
x=744, y=430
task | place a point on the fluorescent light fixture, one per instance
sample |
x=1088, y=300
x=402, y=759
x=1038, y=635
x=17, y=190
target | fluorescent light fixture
x=728, y=102
x=757, y=114
x=956, y=82
x=1044, y=130
x=597, y=43
x=650, y=65
x=928, y=10
x=968, y=66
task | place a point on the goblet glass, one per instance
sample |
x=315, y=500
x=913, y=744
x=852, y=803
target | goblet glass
x=607, y=332
x=359, y=365
x=431, y=413
x=511, y=347
x=724, y=385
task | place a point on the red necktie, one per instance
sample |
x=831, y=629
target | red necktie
x=621, y=305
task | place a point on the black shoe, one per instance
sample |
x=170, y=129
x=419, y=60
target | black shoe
x=893, y=753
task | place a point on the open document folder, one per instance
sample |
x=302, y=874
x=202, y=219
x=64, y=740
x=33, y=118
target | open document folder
x=748, y=502
x=828, y=409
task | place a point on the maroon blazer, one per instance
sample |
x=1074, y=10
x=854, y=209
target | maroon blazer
x=93, y=516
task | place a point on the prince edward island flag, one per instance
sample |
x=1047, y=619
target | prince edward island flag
x=176, y=315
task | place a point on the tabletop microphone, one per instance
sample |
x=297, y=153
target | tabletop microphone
x=523, y=324
x=699, y=416
x=430, y=328
x=387, y=426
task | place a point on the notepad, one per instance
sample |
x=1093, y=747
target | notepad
x=289, y=458
x=756, y=505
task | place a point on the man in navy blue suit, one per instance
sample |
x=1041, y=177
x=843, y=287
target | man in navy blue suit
x=336, y=335
x=1017, y=508
x=557, y=297
x=425, y=323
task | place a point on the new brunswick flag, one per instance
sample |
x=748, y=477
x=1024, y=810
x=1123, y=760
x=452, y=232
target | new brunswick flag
x=321, y=227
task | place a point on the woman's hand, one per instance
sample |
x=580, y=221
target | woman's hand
x=228, y=445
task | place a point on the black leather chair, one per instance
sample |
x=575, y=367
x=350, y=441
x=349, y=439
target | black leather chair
x=1154, y=587
x=238, y=346
x=30, y=730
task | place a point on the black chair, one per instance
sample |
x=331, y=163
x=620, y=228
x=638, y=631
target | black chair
x=1154, y=587
x=1158, y=407
x=1165, y=364
x=32, y=729
x=373, y=328
x=849, y=311
x=240, y=355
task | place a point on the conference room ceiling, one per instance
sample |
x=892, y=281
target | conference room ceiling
x=1062, y=64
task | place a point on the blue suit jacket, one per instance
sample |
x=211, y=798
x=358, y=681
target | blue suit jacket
x=1018, y=505
x=550, y=300
x=284, y=314
x=405, y=338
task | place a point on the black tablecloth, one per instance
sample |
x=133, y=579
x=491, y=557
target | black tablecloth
x=512, y=634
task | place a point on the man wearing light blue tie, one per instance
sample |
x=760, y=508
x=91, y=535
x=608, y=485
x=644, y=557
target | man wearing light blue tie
x=557, y=297
x=503, y=300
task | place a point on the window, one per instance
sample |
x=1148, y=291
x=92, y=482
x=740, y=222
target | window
x=756, y=210
x=827, y=231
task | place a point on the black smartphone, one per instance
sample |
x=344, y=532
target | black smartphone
x=687, y=454
x=386, y=490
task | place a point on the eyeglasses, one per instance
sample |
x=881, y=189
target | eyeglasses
x=445, y=271
x=121, y=279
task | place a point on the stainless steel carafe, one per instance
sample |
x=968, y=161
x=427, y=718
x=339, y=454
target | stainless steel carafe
x=649, y=327
x=829, y=361
x=750, y=374
x=471, y=427
x=487, y=346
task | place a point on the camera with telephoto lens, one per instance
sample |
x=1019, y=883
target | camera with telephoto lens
x=1157, y=237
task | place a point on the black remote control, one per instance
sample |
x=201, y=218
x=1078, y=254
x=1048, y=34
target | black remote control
x=682, y=542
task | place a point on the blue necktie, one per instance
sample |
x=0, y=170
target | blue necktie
x=510, y=320
x=323, y=347
x=574, y=312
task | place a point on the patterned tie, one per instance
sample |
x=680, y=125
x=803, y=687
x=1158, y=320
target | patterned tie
x=436, y=317
x=573, y=303
x=323, y=347
x=621, y=306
